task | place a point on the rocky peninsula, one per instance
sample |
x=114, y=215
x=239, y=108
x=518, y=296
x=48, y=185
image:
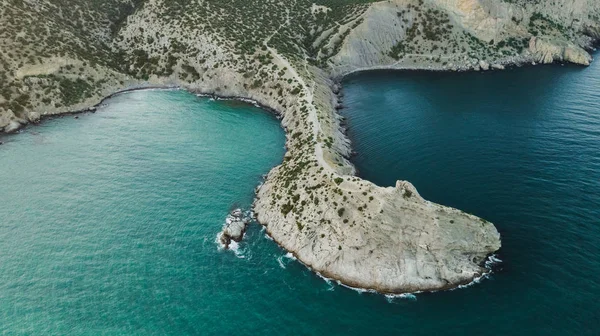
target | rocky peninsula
x=62, y=56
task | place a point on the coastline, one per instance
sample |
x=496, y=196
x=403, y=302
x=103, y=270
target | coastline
x=90, y=109
x=490, y=262
x=517, y=63
x=339, y=132
x=341, y=128
x=93, y=108
x=337, y=80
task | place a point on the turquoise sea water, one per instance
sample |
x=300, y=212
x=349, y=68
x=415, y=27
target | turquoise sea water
x=108, y=222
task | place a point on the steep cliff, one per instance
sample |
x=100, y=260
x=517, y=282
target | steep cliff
x=468, y=34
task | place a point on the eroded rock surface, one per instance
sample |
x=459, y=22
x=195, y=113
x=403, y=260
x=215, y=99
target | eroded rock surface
x=234, y=228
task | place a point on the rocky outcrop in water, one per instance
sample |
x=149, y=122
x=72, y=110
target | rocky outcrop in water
x=234, y=228
x=387, y=239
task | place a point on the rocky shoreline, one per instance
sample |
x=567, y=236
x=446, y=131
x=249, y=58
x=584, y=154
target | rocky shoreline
x=313, y=205
x=481, y=271
x=94, y=108
x=336, y=89
x=489, y=265
x=235, y=236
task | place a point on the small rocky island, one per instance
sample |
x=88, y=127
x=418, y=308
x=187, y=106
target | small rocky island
x=288, y=56
x=234, y=228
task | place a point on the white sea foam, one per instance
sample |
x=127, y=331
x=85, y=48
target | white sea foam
x=331, y=282
x=406, y=296
x=357, y=289
x=235, y=248
x=328, y=281
x=389, y=297
x=490, y=262
x=473, y=282
x=280, y=261
x=220, y=246
x=493, y=259
x=233, y=245
x=245, y=100
x=250, y=101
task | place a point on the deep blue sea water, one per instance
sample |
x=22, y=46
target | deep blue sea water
x=520, y=148
x=108, y=222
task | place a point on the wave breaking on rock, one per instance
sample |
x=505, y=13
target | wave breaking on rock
x=234, y=228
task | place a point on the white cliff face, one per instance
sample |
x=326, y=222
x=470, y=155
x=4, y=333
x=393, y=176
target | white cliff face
x=546, y=52
x=387, y=239
x=367, y=44
x=485, y=19
x=398, y=34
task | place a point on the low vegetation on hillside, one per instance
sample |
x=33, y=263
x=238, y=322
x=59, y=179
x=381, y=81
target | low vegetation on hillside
x=55, y=54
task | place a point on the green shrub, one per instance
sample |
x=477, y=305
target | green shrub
x=286, y=208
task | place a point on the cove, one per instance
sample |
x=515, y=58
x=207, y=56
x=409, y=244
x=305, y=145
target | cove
x=520, y=148
x=108, y=222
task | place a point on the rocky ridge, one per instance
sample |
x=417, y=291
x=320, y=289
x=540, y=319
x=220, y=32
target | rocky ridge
x=287, y=57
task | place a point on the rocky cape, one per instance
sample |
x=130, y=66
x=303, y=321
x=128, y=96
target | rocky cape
x=386, y=239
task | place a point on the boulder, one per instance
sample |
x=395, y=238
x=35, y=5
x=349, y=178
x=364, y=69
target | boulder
x=33, y=117
x=12, y=126
x=335, y=89
x=234, y=228
x=484, y=65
